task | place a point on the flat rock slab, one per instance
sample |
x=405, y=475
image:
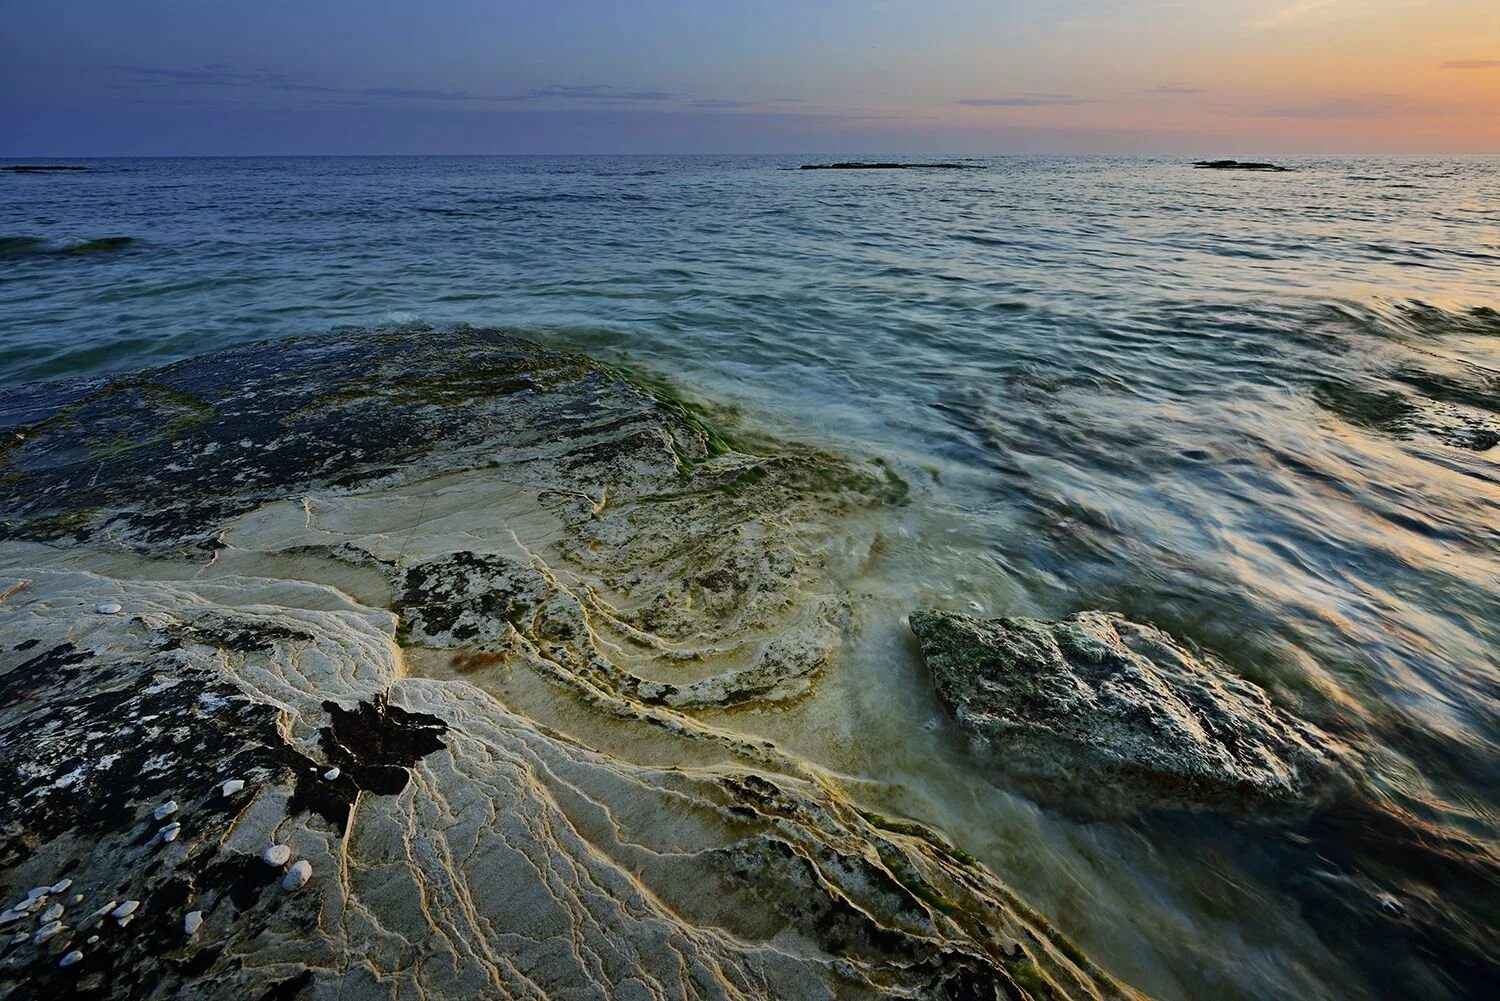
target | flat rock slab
x=1103, y=710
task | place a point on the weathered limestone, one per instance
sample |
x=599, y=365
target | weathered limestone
x=291, y=532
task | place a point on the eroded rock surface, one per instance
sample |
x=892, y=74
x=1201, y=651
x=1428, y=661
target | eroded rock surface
x=1099, y=709
x=235, y=573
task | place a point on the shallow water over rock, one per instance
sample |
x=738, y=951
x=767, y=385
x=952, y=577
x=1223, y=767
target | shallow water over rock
x=573, y=527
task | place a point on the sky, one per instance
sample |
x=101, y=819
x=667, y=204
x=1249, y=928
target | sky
x=1210, y=77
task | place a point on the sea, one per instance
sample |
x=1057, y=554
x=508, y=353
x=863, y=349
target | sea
x=1258, y=410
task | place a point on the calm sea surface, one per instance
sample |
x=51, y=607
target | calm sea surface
x=1259, y=410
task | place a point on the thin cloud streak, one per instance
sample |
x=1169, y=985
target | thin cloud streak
x=1363, y=106
x=1028, y=100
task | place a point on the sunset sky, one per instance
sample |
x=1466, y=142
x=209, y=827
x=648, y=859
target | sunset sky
x=101, y=77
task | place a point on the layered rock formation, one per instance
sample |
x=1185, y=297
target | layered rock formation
x=1100, y=709
x=368, y=666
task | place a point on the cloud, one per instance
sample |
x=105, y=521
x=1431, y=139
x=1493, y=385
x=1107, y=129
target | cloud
x=1362, y=106
x=1472, y=64
x=587, y=92
x=723, y=102
x=1303, y=12
x=1175, y=88
x=223, y=75
x=418, y=95
x=1027, y=100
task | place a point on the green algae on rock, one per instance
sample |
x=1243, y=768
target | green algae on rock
x=1097, y=709
x=290, y=531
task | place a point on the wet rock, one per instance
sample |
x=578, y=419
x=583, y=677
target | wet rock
x=300, y=521
x=1097, y=709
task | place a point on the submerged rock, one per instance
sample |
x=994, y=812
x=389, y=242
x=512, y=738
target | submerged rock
x=1098, y=709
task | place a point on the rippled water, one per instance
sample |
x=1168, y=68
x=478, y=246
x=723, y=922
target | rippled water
x=1259, y=410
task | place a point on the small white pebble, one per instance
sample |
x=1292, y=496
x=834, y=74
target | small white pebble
x=125, y=910
x=19, y=937
x=75, y=899
x=70, y=958
x=170, y=832
x=61, y=886
x=297, y=876
x=101, y=912
x=92, y=939
x=51, y=914
x=975, y=606
x=191, y=922
x=231, y=787
x=38, y=891
x=276, y=855
x=165, y=810
x=46, y=931
x=108, y=608
x=7, y=916
x=332, y=773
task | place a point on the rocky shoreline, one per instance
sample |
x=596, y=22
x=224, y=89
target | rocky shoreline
x=230, y=775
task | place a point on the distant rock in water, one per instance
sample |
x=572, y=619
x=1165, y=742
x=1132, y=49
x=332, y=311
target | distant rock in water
x=1098, y=709
x=1239, y=165
x=858, y=165
x=43, y=168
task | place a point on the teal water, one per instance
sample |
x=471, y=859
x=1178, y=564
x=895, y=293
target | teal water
x=1259, y=410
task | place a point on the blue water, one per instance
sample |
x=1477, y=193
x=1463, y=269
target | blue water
x=1261, y=410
